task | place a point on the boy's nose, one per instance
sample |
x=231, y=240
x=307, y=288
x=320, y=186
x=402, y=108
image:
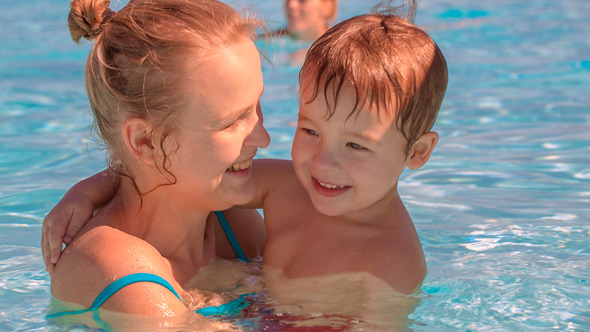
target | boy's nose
x=325, y=159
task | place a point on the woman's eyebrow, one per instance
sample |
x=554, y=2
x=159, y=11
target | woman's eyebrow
x=241, y=112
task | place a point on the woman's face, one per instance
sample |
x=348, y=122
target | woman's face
x=308, y=19
x=221, y=129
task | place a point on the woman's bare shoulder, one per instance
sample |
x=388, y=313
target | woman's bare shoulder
x=105, y=249
x=99, y=257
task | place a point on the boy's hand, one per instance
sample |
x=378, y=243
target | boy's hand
x=62, y=223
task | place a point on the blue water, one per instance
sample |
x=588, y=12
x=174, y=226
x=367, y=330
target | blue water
x=502, y=207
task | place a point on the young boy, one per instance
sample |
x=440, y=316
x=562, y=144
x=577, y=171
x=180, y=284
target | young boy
x=371, y=88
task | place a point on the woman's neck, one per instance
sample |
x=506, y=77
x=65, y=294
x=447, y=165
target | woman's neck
x=180, y=235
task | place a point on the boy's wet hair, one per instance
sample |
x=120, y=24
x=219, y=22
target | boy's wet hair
x=393, y=66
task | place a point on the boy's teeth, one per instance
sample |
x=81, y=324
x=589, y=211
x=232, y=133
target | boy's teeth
x=329, y=186
x=240, y=166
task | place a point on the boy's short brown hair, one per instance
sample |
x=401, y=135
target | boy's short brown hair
x=393, y=65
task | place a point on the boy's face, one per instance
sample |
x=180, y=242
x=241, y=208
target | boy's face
x=347, y=166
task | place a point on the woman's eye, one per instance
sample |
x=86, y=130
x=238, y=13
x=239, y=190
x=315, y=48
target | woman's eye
x=229, y=126
x=356, y=146
x=239, y=120
x=310, y=131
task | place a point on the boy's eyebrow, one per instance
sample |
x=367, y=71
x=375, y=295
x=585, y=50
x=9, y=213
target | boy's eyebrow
x=303, y=118
x=362, y=135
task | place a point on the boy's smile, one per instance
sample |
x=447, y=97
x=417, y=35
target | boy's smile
x=327, y=189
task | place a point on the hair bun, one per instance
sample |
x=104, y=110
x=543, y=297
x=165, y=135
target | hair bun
x=87, y=18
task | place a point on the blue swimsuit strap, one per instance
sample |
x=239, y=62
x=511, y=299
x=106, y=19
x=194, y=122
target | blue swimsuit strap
x=117, y=285
x=230, y=236
x=231, y=307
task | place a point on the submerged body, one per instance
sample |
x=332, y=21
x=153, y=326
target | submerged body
x=351, y=300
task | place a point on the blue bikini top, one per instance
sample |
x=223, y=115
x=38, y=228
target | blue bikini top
x=232, y=307
x=230, y=236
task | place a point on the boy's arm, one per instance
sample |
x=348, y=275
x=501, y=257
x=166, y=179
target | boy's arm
x=269, y=175
x=72, y=212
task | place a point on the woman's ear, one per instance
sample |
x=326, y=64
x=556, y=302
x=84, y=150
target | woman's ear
x=136, y=133
x=421, y=150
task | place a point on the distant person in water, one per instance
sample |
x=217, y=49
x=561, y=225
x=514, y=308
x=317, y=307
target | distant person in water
x=307, y=20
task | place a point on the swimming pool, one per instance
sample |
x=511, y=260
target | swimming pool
x=502, y=207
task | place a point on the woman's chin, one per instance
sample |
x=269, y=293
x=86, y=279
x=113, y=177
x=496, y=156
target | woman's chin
x=244, y=193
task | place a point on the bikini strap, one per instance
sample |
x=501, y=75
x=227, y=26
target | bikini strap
x=232, y=308
x=117, y=285
x=230, y=236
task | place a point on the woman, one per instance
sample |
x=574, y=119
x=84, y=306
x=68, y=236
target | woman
x=174, y=88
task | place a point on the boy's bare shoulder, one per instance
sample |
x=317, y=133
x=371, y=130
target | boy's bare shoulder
x=99, y=257
x=401, y=262
x=274, y=173
x=274, y=166
x=284, y=198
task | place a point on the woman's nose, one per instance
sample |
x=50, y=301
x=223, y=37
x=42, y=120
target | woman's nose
x=259, y=137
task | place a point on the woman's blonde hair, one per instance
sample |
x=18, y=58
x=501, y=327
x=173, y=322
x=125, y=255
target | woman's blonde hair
x=135, y=68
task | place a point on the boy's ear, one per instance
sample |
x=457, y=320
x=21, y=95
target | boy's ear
x=421, y=150
x=136, y=135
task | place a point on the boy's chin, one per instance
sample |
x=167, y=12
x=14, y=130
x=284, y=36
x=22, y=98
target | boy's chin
x=329, y=210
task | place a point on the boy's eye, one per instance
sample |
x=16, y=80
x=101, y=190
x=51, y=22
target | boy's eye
x=355, y=146
x=310, y=131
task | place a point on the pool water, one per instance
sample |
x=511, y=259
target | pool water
x=502, y=207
